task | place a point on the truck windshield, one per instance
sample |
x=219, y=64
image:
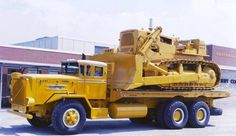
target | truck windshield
x=69, y=67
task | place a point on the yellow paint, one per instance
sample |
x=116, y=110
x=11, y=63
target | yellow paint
x=137, y=61
x=43, y=90
x=119, y=110
x=99, y=113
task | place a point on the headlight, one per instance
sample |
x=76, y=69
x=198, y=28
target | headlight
x=30, y=100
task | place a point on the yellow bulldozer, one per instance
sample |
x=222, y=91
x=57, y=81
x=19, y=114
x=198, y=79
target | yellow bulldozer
x=150, y=78
x=147, y=58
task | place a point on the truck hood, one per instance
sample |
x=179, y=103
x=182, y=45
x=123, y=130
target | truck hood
x=51, y=76
x=29, y=89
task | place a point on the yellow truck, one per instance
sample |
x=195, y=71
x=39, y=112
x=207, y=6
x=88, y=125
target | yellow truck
x=150, y=78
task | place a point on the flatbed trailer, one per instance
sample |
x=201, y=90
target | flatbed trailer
x=157, y=100
x=119, y=94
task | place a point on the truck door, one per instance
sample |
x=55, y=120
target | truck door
x=95, y=82
x=81, y=79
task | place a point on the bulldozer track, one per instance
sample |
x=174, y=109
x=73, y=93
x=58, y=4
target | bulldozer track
x=191, y=86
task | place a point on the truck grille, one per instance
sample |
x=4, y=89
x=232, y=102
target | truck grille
x=18, y=91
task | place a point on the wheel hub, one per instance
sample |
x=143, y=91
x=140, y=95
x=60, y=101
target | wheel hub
x=178, y=115
x=201, y=115
x=71, y=118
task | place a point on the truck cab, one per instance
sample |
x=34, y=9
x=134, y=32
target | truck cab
x=43, y=97
x=92, y=77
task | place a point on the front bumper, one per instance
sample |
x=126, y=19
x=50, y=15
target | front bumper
x=28, y=116
x=20, y=110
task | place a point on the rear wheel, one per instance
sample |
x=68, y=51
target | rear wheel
x=159, y=118
x=175, y=115
x=199, y=114
x=38, y=122
x=68, y=117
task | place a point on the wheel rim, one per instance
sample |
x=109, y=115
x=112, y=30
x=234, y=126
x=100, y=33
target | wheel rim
x=71, y=118
x=178, y=115
x=201, y=115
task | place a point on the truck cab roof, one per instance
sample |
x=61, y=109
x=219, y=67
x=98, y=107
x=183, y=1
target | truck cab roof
x=90, y=62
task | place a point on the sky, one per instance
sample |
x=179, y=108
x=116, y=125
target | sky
x=213, y=21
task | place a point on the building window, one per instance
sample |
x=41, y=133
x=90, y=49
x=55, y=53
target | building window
x=52, y=72
x=100, y=49
x=32, y=71
x=70, y=67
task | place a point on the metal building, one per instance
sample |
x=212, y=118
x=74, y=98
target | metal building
x=226, y=58
x=67, y=44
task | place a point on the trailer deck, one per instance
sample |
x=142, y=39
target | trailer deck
x=119, y=94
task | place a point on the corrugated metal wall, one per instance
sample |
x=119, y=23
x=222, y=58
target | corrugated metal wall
x=66, y=44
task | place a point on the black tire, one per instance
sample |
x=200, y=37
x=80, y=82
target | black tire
x=173, y=108
x=61, y=110
x=216, y=111
x=38, y=122
x=204, y=112
x=159, y=119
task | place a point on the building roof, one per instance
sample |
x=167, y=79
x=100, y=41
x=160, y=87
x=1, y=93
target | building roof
x=37, y=49
x=43, y=56
x=28, y=63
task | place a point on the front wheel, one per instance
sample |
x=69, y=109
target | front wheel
x=68, y=117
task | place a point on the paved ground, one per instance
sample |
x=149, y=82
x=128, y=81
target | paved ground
x=218, y=126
